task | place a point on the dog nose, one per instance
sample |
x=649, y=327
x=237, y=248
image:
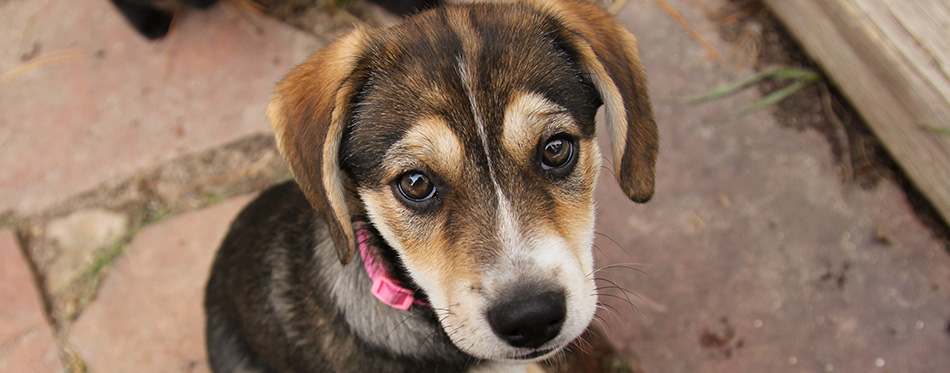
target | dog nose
x=528, y=319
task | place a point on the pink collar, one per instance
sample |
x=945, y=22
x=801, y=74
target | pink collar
x=385, y=288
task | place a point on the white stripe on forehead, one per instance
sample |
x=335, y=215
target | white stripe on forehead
x=466, y=76
x=507, y=224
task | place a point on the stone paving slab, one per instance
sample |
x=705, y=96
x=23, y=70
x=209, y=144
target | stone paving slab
x=26, y=341
x=756, y=257
x=148, y=316
x=114, y=103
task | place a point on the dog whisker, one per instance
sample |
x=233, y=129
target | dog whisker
x=593, y=333
x=614, y=283
x=605, y=287
x=426, y=340
x=580, y=342
x=583, y=344
x=468, y=362
x=629, y=265
x=608, y=307
x=615, y=296
x=603, y=323
x=611, y=239
x=598, y=250
x=559, y=360
x=612, y=311
x=611, y=320
x=608, y=165
x=411, y=315
x=623, y=291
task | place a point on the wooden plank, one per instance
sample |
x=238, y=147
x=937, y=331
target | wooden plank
x=891, y=58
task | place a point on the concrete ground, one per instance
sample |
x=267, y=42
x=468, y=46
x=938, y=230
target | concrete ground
x=753, y=256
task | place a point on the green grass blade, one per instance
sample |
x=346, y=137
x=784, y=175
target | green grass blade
x=796, y=74
x=938, y=130
x=729, y=89
x=777, y=96
x=733, y=88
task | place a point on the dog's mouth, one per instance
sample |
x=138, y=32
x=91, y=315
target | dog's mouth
x=534, y=354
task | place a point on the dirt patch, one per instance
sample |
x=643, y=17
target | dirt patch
x=723, y=341
x=761, y=41
x=836, y=275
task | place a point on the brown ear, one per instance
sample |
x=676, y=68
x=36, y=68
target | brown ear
x=308, y=114
x=608, y=53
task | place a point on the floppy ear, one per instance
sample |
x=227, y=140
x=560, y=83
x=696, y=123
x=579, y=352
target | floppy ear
x=608, y=53
x=308, y=114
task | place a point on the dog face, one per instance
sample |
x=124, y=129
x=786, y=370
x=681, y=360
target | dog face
x=467, y=136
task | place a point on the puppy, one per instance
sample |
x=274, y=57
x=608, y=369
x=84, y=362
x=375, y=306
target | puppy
x=455, y=153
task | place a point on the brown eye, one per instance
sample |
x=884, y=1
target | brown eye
x=416, y=186
x=557, y=153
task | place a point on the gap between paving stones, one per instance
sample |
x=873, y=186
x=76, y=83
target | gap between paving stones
x=190, y=182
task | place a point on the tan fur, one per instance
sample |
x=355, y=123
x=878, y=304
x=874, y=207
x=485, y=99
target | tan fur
x=429, y=144
x=388, y=214
x=575, y=214
x=529, y=119
x=306, y=115
x=530, y=116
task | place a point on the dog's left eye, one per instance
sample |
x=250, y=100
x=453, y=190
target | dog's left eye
x=416, y=186
x=558, y=155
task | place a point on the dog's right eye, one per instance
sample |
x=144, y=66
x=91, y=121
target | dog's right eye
x=415, y=186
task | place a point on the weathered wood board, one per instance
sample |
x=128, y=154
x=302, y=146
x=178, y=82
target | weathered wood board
x=891, y=58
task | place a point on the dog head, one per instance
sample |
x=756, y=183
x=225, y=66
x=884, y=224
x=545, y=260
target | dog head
x=466, y=137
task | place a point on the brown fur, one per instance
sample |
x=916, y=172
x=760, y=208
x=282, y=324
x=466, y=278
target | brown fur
x=307, y=114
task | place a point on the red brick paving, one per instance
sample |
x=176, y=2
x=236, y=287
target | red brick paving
x=26, y=341
x=148, y=316
x=118, y=103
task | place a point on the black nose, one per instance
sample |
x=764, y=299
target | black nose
x=528, y=319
